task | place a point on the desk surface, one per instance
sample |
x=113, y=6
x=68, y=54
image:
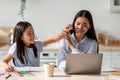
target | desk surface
x=58, y=75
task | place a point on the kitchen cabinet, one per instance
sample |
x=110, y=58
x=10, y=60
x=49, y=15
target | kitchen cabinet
x=107, y=58
x=111, y=58
x=2, y=54
x=48, y=55
x=115, y=5
x=116, y=59
x=111, y=55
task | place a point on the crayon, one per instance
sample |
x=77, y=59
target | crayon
x=18, y=73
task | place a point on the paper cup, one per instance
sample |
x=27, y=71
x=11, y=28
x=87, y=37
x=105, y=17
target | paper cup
x=49, y=69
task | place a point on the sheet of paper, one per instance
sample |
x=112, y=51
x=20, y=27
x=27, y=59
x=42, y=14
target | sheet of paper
x=107, y=68
x=28, y=68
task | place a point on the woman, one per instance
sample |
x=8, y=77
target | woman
x=79, y=37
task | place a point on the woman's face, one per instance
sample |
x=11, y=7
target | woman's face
x=28, y=36
x=82, y=25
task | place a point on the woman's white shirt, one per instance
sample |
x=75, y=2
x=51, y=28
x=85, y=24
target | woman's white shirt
x=85, y=46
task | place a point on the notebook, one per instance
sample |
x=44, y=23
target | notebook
x=28, y=68
x=83, y=63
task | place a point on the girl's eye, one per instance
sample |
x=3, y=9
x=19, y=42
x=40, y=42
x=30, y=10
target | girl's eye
x=29, y=34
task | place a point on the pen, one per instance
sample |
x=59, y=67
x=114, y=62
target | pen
x=8, y=76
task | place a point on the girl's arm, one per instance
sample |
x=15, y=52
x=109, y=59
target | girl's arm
x=4, y=63
x=58, y=36
x=52, y=39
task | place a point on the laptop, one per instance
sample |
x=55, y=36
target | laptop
x=83, y=63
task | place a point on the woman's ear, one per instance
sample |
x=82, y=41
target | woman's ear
x=89, y=26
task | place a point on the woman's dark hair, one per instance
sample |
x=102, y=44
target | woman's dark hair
x=20, y=46
x=91, y=32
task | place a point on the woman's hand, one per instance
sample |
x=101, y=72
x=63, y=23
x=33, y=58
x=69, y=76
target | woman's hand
x=66, y=35
x=66, y=31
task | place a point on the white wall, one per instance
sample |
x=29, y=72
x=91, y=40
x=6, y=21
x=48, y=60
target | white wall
x=48, y=17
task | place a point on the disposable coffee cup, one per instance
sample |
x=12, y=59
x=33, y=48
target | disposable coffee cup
x=48, y=69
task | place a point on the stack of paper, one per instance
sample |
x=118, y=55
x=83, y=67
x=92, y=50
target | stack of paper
x=107, y=68
x=28, y=68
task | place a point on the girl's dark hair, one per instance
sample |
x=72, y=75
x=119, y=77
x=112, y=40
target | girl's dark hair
x=20, y=46
x=91, y=32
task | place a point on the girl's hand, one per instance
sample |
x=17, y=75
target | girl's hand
x=4, y=63
x=8, y=68
x=67, y=28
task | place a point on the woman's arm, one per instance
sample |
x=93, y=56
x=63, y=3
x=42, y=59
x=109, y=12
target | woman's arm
x=4, y=63
x=66, y=35
x=70, y=44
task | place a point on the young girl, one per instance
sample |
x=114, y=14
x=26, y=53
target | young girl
x=25, y=51
x=81, y=39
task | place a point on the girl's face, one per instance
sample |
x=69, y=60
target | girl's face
x=82, y=25
x=28, y=36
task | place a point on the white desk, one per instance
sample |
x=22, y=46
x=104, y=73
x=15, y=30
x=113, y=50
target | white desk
x=58, y=75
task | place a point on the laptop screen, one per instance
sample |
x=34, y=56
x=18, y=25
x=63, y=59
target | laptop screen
x=83, y=63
